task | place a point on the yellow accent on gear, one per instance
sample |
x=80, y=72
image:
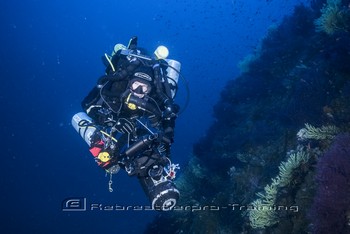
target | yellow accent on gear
x=131, y=106
x=108, y=135
x=104, y=156
x=110, y=62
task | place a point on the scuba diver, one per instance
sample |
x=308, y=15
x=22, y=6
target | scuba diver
x=129, y=120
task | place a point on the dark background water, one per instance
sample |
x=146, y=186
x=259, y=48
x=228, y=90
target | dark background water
x=50, y=58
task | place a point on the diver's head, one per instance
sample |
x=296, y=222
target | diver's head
x=140, y=87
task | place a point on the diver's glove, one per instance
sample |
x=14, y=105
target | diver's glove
x=103, y=79
x=120, y=74
x=124, y=126
x=171, y=111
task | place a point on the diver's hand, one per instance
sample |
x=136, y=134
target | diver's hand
x=103, y=79
x=124, y=126
x=112, y=77
x=171, y=111
x=118, y=75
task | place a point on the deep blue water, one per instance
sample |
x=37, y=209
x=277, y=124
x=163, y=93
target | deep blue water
x=50, y=58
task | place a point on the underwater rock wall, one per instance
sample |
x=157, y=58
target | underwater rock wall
x=300, y=75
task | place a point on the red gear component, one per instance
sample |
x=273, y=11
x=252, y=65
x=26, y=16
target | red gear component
x=96, y=148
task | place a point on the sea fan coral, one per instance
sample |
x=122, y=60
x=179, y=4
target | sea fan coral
x=334, y=18
x=332, y=201
x=263, y=216
x=322, y=133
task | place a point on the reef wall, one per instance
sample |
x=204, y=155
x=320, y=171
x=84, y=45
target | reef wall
x=255, y=170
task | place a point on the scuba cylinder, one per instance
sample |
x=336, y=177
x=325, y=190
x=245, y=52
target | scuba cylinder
x=173, y=72
x=82, y=123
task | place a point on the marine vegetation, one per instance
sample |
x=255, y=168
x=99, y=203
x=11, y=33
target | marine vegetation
x=310, y=132
x=335, y=17
x=263, y=213
x=259, y=167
